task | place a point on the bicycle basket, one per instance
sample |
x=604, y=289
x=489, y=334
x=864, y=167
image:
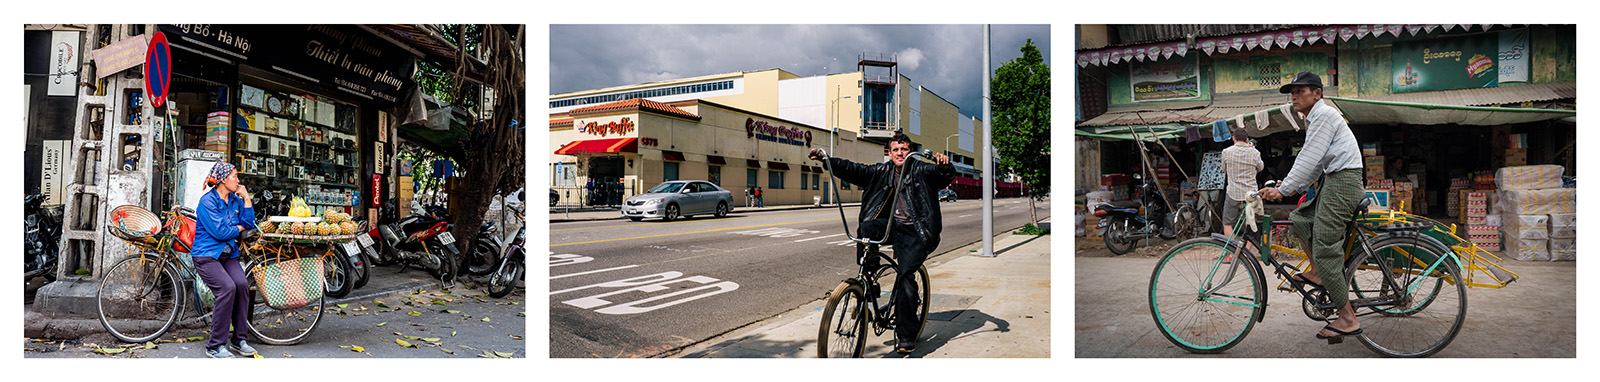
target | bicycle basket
x=292, y=283
x=134, y=223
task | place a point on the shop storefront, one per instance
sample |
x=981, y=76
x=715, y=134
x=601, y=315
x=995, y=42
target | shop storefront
x=297, y=108
x=628, y=146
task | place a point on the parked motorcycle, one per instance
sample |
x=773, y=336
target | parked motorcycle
x=424, y=241
x=1123, y=225
x=41, y=242
x=510, y=268
x=350, y=268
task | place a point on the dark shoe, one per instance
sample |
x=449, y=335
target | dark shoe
x=218, y=353
x=906, y=347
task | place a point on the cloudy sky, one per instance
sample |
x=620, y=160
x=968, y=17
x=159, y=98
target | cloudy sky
x=942, y=58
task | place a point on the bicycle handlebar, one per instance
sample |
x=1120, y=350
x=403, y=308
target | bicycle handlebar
x=842, y=218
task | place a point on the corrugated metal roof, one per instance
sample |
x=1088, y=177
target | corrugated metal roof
x=1143, y=34
x=1489, y=96
x=1223, y=106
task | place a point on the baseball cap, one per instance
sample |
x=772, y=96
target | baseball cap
x=1304, y=78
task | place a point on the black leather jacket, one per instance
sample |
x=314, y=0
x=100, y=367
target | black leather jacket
x=923, y=181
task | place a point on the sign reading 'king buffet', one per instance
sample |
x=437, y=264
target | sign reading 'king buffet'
x=1476, y=61
x=341, y=57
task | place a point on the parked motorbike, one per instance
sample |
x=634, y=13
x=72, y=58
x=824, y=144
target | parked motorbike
x=484, y=255
x=41, y=242
x=510, y=268
x=350, y=268
x=424, y=241
x=1123, y=225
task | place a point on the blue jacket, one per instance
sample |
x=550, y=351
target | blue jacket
x=215, y=229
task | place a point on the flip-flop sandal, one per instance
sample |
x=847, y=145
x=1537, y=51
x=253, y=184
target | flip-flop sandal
x=1301, y=278
x=1340, y=333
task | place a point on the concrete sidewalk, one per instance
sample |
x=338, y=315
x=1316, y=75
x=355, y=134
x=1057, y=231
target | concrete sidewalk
x=983, y=307
x=561, y=213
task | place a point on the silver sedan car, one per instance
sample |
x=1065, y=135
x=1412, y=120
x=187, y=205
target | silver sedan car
x=679, y=198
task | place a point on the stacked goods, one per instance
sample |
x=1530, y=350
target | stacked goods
x=1369, y=149
x=1120, y=186
x=1527, y=237
x=1401, y=199
x=1453, y=198
x=1563, y=236
x=1483, y=180
x=1474, y=215
x=1516, y=149
x=1537, y=215
x=1375, y=167
x=216, y=132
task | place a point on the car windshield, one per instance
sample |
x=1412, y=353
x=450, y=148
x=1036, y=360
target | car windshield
x=666, y=188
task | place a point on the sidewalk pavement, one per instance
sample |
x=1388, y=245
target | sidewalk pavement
x=983, y=307
x=563, y=213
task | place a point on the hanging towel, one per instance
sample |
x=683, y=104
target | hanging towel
x=1191, y=133
x=1261, y=119
x=1288, y=113
x=1240, y=119
x=1219, y=131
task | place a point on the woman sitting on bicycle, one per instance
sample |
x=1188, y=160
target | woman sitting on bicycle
x=222, y=216
x=1331, y=152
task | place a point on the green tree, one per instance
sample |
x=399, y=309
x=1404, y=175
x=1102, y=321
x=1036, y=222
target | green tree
x=1021, y=127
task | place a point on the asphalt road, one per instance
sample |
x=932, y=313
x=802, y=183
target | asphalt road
x=645, y=289
x=456, y=324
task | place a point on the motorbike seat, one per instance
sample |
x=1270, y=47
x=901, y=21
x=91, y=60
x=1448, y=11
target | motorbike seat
x=1126, y=204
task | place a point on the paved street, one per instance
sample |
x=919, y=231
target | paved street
x=1536, y=316
x=454, y=323
x=646, y=289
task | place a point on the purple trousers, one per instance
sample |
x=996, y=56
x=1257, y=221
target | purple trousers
x=228, y=282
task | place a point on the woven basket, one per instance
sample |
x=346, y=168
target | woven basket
x=291, y=284
x=134, y=223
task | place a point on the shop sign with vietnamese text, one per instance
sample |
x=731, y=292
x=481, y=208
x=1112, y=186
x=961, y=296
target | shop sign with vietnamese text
x=341, y=57
x=1446, y=63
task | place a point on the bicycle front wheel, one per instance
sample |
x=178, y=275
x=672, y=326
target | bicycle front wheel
x=1420, y=311
x=138, y=298
x=1202, y=303
x=888, y=276
x=844, y=323
x=280, y=327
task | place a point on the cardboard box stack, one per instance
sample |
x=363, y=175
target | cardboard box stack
x=1516, y=150
x=1475, y=216
x=1533, y=205
x=1453, y=198
x=1120, y=186
x=1401, y=199
x=1375, y=167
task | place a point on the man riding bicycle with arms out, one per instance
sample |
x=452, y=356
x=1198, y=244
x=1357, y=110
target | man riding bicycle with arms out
x=915, y=211
x=1331, y=152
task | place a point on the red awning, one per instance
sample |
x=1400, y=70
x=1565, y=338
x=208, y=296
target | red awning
x=672, y=155
x=752, y=163
x=613, y=145
x=805, y=168
x=713, y=159
x=778, y=165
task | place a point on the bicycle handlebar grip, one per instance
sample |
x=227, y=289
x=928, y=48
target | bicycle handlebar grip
x=249, y=234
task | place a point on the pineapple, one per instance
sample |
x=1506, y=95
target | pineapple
x=297, y=228
x=348, y=227
x=267, y=227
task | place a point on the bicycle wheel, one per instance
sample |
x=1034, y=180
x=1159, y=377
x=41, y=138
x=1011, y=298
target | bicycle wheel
x=340, y=280
x=139, y=298
x=1202, y=304
x=887, y=277
x=504, y=279
x=844, y=323
x=1406, y=329
x=280, y=327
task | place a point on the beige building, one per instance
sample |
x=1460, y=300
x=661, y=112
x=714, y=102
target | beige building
x=696, y=128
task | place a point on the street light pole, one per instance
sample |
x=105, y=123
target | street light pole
x=947, y=143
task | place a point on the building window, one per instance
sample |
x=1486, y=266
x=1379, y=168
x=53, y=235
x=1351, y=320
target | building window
x=715, y=174
x=750, y=178
x=802, y=181
x=721, y=85
x=669, y=171
x=816, y=183
x=775, y=180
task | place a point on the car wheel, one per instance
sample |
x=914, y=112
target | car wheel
x=672, y=213
x=722, y=210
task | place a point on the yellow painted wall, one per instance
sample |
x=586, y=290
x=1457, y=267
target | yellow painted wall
x=760, y=92
x=848, y=115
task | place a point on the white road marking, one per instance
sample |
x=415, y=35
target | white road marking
x=818, y=237
x=962, y=216
x=593, y=271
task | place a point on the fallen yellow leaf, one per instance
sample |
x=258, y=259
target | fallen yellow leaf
x=414, y=313
x=357, y=349
x=403, y=343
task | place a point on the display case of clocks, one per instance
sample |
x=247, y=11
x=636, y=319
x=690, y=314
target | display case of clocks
x=297, y=142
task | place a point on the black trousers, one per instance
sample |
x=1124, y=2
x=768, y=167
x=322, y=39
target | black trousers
x=908, y=256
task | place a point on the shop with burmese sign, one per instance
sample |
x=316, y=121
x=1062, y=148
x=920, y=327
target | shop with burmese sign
x=1447, y=63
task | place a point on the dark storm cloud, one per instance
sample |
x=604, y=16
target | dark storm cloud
x=941, y=58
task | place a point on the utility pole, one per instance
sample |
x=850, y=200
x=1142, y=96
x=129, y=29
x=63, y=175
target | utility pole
x=988, y=156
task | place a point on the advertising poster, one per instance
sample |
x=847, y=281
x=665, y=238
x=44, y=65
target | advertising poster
x=63, y=63
x=1514, y=56
x=1165, y=80
x=1447, y=63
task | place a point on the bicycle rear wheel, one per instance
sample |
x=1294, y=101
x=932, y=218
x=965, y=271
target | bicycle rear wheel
x=1202, y=304
x=844, y=323
x=280, y=327
x=1429, y=308
x=139, y=298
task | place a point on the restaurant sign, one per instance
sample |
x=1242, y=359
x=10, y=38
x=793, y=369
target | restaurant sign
x=610, y=128
x=775, y=133
x=1447, y=63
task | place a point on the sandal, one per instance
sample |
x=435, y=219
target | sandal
x=1339, y=333
x=1301, y=278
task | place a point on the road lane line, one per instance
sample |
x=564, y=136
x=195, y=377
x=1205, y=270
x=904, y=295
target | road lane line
x=962, y=216
x=691, y=221
x=687, y=233
x=818, y=237
x=594, y=271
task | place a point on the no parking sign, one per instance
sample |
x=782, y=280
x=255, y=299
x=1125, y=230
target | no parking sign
x=157, y=70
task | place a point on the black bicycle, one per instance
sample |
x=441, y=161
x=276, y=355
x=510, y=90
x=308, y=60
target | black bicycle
x=1406, y=287
x=860, y=302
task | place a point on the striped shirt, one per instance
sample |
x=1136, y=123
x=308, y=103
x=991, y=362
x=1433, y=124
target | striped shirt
x=1329, y=147
x=1242, y=162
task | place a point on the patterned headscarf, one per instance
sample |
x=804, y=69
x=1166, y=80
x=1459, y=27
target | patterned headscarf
x=218, y=172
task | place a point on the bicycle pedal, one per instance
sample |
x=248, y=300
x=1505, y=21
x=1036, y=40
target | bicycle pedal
x=1336, y=340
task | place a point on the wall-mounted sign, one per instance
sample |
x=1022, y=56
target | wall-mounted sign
x=1446, y=63
x=377, y=189
x=379, y=158
x=611, y=128
x=1165, y=80
x=63, y=64
x=341, y=57
x=776, y=133
x=649, y=142
x=1513, y=58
